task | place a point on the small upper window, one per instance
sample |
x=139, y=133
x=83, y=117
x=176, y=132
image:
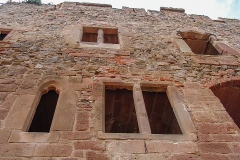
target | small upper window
x=100, y=35
x=4, y=33
x=200, y=43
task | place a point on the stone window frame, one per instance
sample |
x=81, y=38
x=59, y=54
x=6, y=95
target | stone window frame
x=221, y=46
x=73, y=37
x=9, y=30
x=187, y=127
x=28, y=102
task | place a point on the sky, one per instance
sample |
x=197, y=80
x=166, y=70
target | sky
x=211, y=8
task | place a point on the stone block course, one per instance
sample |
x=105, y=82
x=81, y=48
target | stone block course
x=171, y=147
x=52, y=150
x=134, y=146
x=90, y=145
x=214, y=148
x=82, y=119
x=45, y=51
x=18, y=150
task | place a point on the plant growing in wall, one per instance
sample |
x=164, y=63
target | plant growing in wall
x=37, y=2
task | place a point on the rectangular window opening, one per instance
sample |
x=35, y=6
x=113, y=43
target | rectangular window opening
x=120, y=114
x=111, y=36
x=91, y=34
x=3, y=34
x=43, y=116
x=161, y=117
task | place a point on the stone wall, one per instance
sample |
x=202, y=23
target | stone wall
x=44, y=51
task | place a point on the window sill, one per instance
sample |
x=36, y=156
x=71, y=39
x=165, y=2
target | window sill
x=39, y=137
x=99, y=45
x=124, y=136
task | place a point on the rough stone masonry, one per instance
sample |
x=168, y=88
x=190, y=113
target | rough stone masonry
x=130, y=84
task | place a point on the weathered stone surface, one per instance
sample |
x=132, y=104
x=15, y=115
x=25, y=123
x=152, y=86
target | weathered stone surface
x=45, y=51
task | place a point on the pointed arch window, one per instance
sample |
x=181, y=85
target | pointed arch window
x=44, y=113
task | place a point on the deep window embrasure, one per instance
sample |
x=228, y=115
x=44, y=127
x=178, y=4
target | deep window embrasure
x=199, y=43
x=3, y=34
x=120, y=114
x=43, y=116
x=160, y=113
x=229, y=96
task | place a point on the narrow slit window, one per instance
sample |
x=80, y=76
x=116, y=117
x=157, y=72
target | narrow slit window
x=3, y=34
x=161, y=117
x=120, y=114
x=42, y=119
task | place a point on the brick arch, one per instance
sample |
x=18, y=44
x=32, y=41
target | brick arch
x=229, y=94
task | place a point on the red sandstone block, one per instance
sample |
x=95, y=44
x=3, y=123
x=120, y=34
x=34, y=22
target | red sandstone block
x=71, y=135
x=209, y=156
x=18, y=150
x=204, y=137
x=82, y=121
x=232, y=127
x=206, y=147
x=93, y=145
x=235, y=147
x=191, y=99
x=7, y=158
x=7, y=81
x=68, y=159
x=3, y=113
x=133, y=146
x=78, y=153
x=8, y=102
x=190, y=91
x=52, y=150
x=96, y=156
x=8, y=87
x=184, y=157
x=212, y=128
x=222, y=116
x=212, y=105
x=4, y=135
x=164, y=147
x=193, y=85
x=234, y=156
x=67, y=73
x=203, y=116
x=3, y=95
x=28, y=83
x=225, y=137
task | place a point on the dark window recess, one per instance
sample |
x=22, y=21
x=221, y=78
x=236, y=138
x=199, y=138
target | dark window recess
x=230, y=98
x=89, y=37
x=160, y=113
x=201, y=47
x=42, y=119
x=120, y=114
x=199, y=43
x=90, y=34
x=111, y=36
x=3, y=34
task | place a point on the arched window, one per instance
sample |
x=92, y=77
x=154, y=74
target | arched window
x=43, y=116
